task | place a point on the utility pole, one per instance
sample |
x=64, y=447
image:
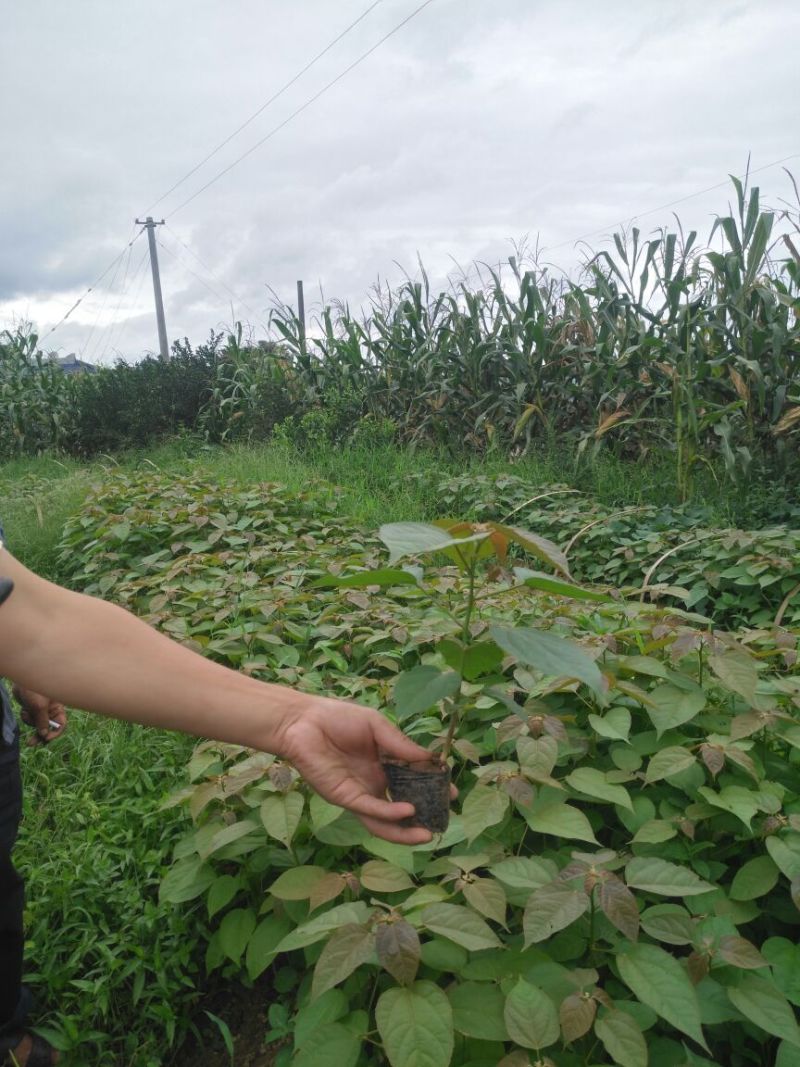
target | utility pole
x=150, y=226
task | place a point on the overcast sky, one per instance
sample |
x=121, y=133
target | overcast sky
x=478, y=123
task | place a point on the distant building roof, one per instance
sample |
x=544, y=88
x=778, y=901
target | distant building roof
x=72, y=365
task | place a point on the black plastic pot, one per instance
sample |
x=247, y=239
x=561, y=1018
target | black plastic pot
x=426, y=785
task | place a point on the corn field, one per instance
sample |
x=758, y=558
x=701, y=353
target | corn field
x=662, y=343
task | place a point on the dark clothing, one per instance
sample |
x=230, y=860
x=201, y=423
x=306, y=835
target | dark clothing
x=11, y=888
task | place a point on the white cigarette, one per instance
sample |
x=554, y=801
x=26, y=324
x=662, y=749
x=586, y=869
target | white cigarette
x=54, y=725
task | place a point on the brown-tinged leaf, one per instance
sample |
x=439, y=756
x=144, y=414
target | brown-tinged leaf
x=555, y=728
x=327, y=888
x=349, y=947
x=619, y=906
x=517, y=1058
x=510, y=729
x=697, y=964
x=745, y=725
x=281, y=776
x=467, y=750
x=740, y=953
x=398, y=947
x=714, y=758
x=735, y=755
x=520, y=790
x=550, y=909
x=488, y=897
x=576, y=1016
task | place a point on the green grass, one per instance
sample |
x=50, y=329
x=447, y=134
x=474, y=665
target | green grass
x=37, y=495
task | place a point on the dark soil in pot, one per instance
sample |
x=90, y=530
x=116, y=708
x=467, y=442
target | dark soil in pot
x=426, y=785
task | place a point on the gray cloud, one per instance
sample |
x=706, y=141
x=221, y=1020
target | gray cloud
x=479, y=123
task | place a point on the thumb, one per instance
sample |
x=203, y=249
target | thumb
x=395, y=743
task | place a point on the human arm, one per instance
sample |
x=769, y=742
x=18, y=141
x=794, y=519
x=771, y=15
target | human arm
x=90, y=654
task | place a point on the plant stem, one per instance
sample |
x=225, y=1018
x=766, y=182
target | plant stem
x=470, y=601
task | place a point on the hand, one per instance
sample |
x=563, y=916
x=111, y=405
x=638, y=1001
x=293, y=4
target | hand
x=337, y=747
x=39, y=711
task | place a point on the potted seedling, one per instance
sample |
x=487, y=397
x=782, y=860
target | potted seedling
x=469, y=546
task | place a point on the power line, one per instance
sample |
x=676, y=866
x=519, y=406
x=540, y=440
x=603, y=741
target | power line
x=111, y=329
x=85, y=347
x=179, y=259
x=665, y=207
x=303, y=107
x=475, y=268
x=208, y=269
x=263, y=107
x=137, y=282
x=91, y=288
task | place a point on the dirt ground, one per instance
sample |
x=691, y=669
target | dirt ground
x=245, y=1012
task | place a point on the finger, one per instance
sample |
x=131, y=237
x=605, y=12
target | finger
x=398, y=835
x=376, y=808
x=395, y=743
x=33, y=740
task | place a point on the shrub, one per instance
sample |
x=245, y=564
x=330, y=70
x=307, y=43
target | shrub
x=621, y=883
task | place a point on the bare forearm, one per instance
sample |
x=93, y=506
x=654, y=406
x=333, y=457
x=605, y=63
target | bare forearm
x=93, y=655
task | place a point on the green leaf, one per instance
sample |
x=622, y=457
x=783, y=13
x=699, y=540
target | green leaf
x=419, y=539
x=262, y=946
x=524, y=872
x=483, y=807
x=472, y=661
x=788, y=1055
x=655, y=875
x=552, y=655
x=383, y=578
x=548, y=584
x=537, y=546
x=659, y=981
x=560, y=820
x=416, y=1026
x=329, y=1045
x=221, y=893
x=487, y=897
x=667, y=762
x=298, y=883
x=478, y=1010
x=281, y=814
x=670, y=707
x=551, y=908
x=399, y=950
x=537, y=756
x=784, y=958
x=186, y=880
x=461, y=925
x=669, y=923
x=349, y=947
x=328, y=1008
x=531, y=1017
x=382, y=877
x=594, y=784
x=735, y=799
x=622, y=1038
x=421, y=688
x=313, y=930
x=763, y=1004
x=755, y=879
x=737, y=672
x=614, y=725
x=654, y=832
x=235, y=931
x=786, y=858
